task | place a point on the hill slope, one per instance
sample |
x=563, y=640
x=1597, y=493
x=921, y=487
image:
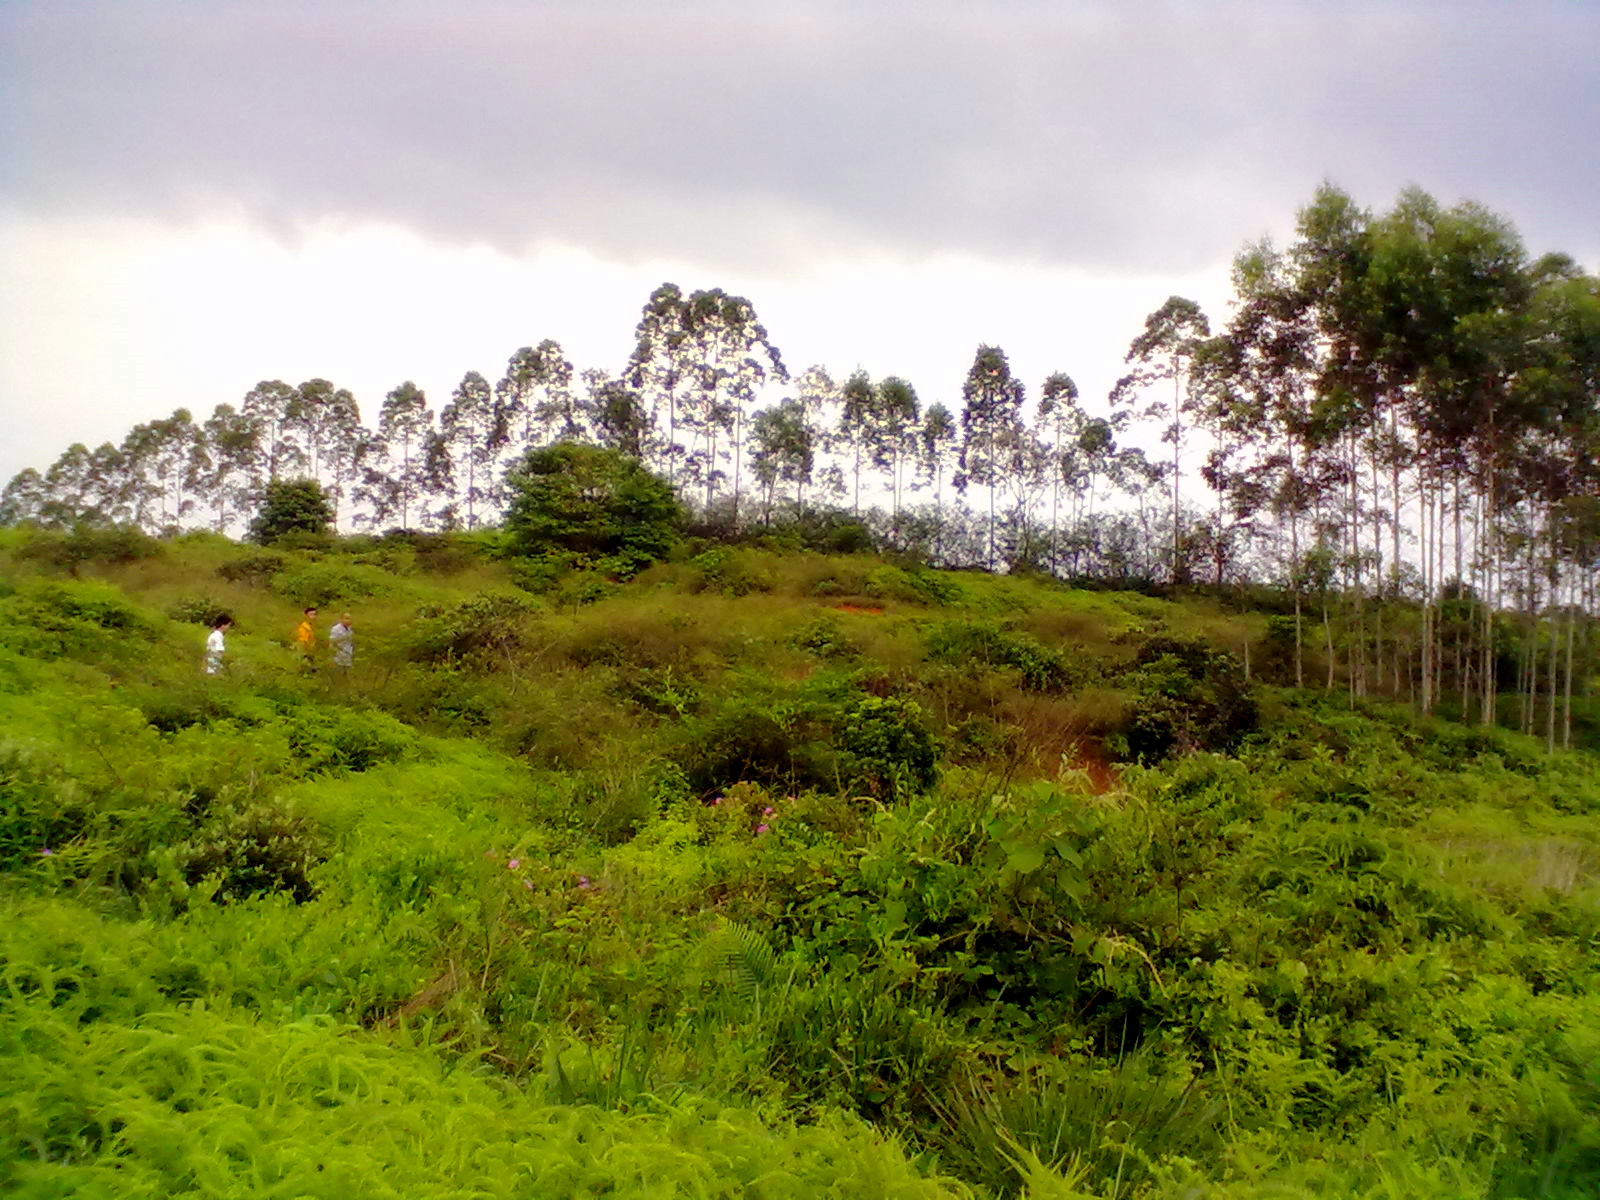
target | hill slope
x=760, y=875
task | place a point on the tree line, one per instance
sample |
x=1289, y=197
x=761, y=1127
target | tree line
x=1398, y=424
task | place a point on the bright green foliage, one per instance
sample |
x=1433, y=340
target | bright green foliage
x=888, y=748
x=291, y=506
x=677, y=892
x=591, y=503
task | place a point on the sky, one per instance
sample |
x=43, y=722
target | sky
x=196, y=195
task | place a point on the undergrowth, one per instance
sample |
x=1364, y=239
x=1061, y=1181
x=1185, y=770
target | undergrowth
x=761, y=874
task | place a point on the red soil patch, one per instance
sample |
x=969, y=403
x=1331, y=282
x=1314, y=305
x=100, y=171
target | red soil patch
x=1103, y=776
x=871, y=610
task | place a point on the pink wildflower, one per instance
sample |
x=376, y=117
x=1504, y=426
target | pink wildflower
x=583, y=881
x=761, y=829
x=46, y=852
x=513, y=864
x=768, y=811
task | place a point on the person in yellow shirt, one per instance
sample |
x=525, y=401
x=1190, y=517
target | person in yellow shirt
x=305, y=638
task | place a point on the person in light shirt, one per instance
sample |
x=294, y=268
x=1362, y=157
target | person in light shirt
x=216, y=644
x=342, y=637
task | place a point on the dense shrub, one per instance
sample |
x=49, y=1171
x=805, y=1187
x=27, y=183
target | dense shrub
x=1187, y=696
x=72, y=618
x=318, y=584
x=970, y=643
x=289, y=507
x=196, y=610
x=887, y=748
x=480, y=632
x=109, y=545
x=268, y=846
x=751, y=742
x=345, y=739
x=254, y=569
x=41, y=809
x=589, y=502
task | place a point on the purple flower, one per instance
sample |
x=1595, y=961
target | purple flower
x=583, y=881
x=46, y=852
x=768, y=811
x=761, y=829
x=513, y=864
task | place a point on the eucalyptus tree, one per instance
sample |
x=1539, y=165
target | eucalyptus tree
x=471, y=428
x=785, y=451
x=76, y=490
x=936, y=443
x=536, y=397
x=655, y=369
x=25, y=498
x=892, y=436
x=272, y=407
x=858, y=400
x=617, y=414
x=991, y=428
x=1164, y=352
x=232, y=443
x=395, y=476
x=1062, y=421
x=1268, y=355
x=439, y=481
x=325, y=418
x=726, y=358
x=139, y=487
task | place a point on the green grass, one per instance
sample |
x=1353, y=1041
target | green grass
x=551, y=897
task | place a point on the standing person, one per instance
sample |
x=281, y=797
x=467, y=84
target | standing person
x=216, y=644
x=305, y=638
x=342, y=637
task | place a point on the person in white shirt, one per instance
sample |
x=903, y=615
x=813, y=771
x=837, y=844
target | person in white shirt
x=216, y=645
x=342, y=637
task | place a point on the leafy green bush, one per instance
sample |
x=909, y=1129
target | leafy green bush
x=254, y=569
x=41, y=809
x=728, y=571
x=52, y=619
x=345, y=739
x=196, y=610
x=111, y=545
x=268, y=846
x=1187, y=697
x=318, y=584
x=290, y=507
x=970, y=643
x=591, y=502
x=887, y=748
x=481, y=632
x=783, y=749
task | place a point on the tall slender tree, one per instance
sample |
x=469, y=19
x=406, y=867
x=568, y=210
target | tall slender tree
x=991, y=428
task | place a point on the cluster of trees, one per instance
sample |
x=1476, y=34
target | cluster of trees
x=1401, y=410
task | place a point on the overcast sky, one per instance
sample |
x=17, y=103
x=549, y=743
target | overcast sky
x=196, y=195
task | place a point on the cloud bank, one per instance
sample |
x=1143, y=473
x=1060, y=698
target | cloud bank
x=1131, y=136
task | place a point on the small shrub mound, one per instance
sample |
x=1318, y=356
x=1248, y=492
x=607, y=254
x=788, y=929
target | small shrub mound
x=479, y=632
x=1187, y=696
x=254, y=569
x=345, y=739
x=967, y=643
x=888, y=751
x=265, y=847
x=107, y=545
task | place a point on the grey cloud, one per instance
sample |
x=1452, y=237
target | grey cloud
x=1141, y=136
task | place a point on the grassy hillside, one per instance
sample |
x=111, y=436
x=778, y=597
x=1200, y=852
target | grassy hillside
x=760, y=874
